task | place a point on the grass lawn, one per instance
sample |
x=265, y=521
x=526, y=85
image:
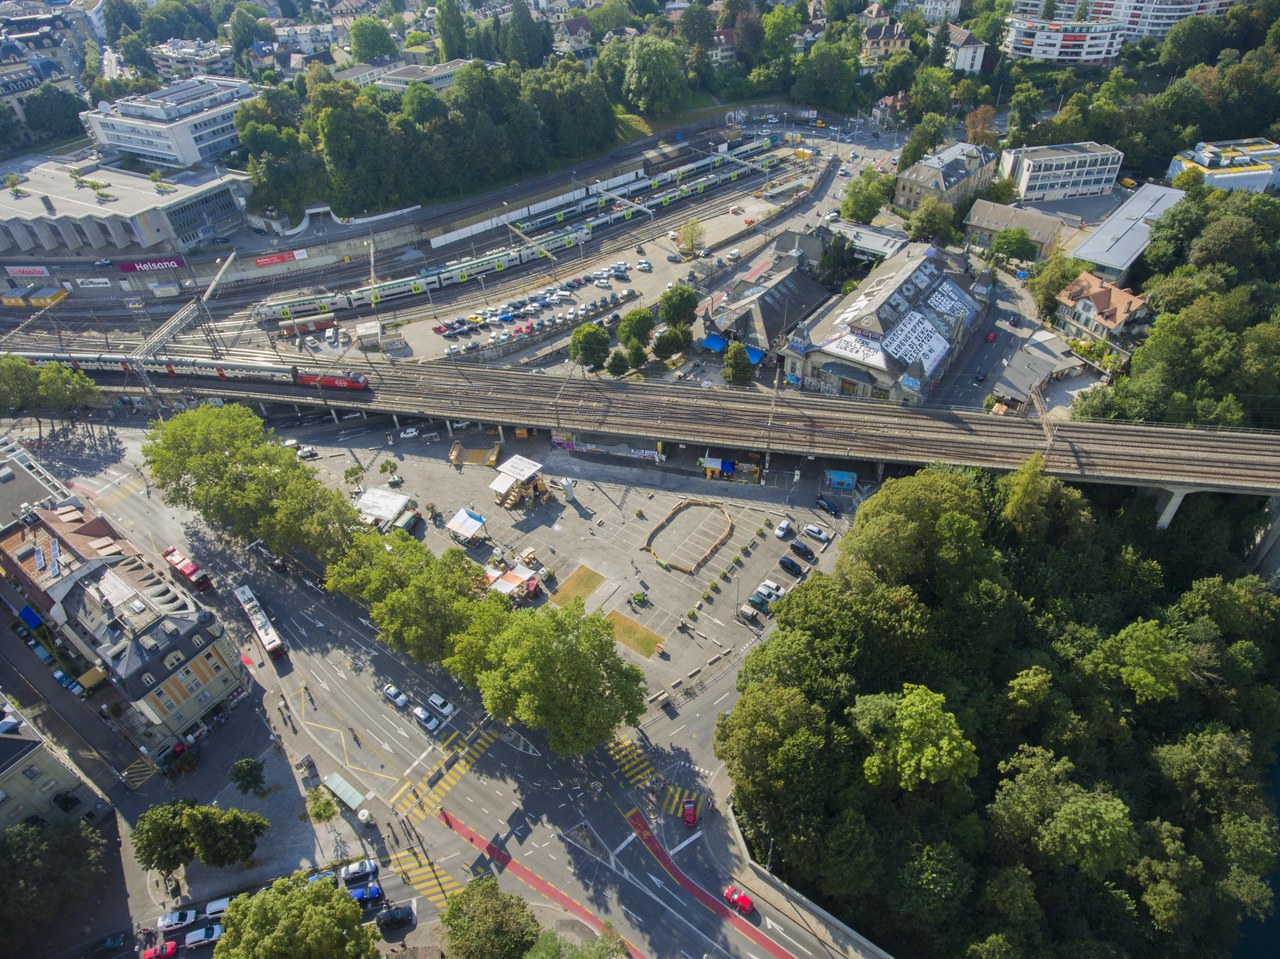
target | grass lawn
x=579, y=584
x=632, y=635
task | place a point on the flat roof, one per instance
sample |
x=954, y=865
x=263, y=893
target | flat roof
x=133, y=192
x=1122, y=236
x=1049, y=151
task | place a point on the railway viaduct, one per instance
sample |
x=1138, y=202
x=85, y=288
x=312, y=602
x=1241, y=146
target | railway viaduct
x=1170, y=460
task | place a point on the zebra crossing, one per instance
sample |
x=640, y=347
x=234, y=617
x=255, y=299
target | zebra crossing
x=674, y=797
x=632, y=762
x=129, y=486
x=427, y=877
x=423, y=798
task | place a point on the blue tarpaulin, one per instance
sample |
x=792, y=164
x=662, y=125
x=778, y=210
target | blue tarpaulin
x=754, y=355
x=715, y=343
x=30, y=617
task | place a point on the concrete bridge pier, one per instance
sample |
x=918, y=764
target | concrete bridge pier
x=1262, y=558
x=1168, y=501
x=501, y=436
x=448, y=425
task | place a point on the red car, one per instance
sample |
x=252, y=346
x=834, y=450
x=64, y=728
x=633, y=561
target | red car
x=991, y=337
x=739, y=900
x=165, y=950
x=690, y=812
x=437, y=328
x=528, y=328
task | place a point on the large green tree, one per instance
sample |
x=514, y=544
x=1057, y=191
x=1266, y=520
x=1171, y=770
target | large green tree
x=371, y=39
x=678, y=305
x=654, y=82
x=589, y=345
x=483, y=922
x=297, y=919
x=54, y=112
x=55, y=869
x=865, y=195
x=737, y=368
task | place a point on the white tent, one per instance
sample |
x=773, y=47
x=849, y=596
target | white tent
x=465, y=525
x=503, y=483
x=520, y=468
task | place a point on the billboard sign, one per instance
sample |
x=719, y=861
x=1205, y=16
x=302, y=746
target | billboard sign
x=94, y=283
x=275, y=259
x=149, y=266
x=21, y=272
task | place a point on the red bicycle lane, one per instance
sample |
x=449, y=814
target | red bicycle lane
x=528, y=877
x=641, y=827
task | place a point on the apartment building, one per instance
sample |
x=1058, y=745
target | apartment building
x=1075, y=43
x=1093, y=309
x=1062, y=170
x=305, y=37
x=935, y=11
x=964, y=50
x=438, y=76
x=951, y=175
x=38, y=784
x=1140, y=18
x=176, y=126
x=1252, y=164
x=177, y=59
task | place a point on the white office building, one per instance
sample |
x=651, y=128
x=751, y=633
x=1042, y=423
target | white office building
x=1062, y=170
x=1140, y=18
x=177, y=126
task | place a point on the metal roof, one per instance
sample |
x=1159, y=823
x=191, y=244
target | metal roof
x=1123, y=236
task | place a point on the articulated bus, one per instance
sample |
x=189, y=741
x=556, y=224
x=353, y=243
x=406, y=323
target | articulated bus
x=271, y=642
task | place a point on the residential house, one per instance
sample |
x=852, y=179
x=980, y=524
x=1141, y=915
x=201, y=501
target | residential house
x=874, y=16
x=1044, y=357
x=951, y=175
x=21, y=74
x=723, y=53
x=935, y=11
x=177, y=59
x=986, y=219
x=880, y=42
x=964, y=50
x=893, y=338
x=891, y=108
x=1091, y=308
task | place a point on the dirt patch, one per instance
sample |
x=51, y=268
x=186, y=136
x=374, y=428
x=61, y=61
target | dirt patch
x=579, y=584
x=632, y=635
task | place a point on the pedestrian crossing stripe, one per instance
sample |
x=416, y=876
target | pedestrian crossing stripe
x=138, y=772
x=419, y=802
x=674, y=799
x=126, y=489
x=632, y=762
x=428, y=878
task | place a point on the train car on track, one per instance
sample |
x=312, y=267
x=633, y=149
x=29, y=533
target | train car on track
x=183, y=366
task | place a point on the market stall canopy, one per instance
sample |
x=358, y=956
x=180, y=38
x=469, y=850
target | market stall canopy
x=503, y=484
x=519, y=468
x=465, y=524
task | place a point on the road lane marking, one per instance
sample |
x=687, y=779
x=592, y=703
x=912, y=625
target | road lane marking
x=626, y=842
x=697, y=835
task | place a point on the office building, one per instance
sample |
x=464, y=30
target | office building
x=1252, y=165
x=176, y=126
x=1062, y=170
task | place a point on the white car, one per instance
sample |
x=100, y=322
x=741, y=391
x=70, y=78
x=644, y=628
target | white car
x=817, y=532
x=175, y=920
x=833, y=215
x=452, y=350
x=572, y=314
x=409, y=434
x=307, y=453
x=844, y=171
x=311, y=342
x=783, y=529
x=440, y=705
x=365, y=870
x=395, y=697
x=603, y=284
x=425, y=719
x=671, y=234
x=204, y=936
x=504, y=336
x=771, y=591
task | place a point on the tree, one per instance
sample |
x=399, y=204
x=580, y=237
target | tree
x=557, y=669
x=737, y=368
x=938, y=45
x=370, y=39
x=54, y=112
x=60, y=867
x=654, y=81
x=1054, y=275
x=980, y=126
x=1091, y=831
x=618, y=365
x=930, y=91
x=248, y=777
x=482, y=922
x=589, y=345
x=133, y=51
x=678, y=305
x=690, y=235
x=451, y=29
x=1023, y=107
x=635, y=325
x=780, y=25
x=929, y=132
x=223, y=837
x=637, y=354
x=671, y=341
x=296, y=919
x=865, y=195
x=60, y=388
x=160, y=837
x=914, y=740
x=931, y=220
x=697, y=24
x=19, y=382
x=118, y=16
x=1193, y=40
x=1014, y=244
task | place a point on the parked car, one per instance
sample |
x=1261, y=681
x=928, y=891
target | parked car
x=803, y=551
x=110, y=947
x=791, y=566
x=425, y=719
x=362, y=871
x=817, y=532
x=771, y=591
x=367, y=896
x=393, y=917
x=991, y=337
x=396, y=698
x=409, y=434
x=759, y=602
x=311, y=342
x=204, y=936
x=783, y=529
x=739, y=900
x=164, y=950
x=829, y=506
x=172, y=921
x=440, y=705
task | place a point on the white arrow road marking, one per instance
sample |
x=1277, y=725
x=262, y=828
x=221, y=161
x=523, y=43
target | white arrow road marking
x=780, y=929
x=294, y=624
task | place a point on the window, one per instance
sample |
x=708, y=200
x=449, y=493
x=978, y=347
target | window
x=190, y=680
x=148, y=679
x=212, y=662
x=173, y=660
x=32, y=772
